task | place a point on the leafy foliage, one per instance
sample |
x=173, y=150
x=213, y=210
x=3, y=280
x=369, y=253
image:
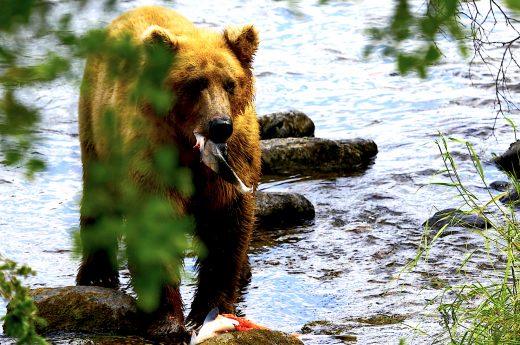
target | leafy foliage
x=439, y=17
x=17, y=120
x=21, y=320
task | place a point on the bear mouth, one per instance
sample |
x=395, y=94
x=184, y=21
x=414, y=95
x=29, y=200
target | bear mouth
x=215, y=156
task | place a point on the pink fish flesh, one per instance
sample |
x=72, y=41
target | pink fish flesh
x=213, y=325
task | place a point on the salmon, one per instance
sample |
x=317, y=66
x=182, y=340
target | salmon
x=213, y=325
x=215, y=156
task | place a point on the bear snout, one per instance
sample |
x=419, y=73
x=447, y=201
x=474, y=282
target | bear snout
x=220, y=129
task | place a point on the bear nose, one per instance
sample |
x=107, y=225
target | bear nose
x=220, y=129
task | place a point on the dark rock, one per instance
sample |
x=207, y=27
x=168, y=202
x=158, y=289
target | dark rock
x=509, y=160
x=510, y=198
x=86, y=309
x=282, y=209
x=303, y=154
x=285, y=124
x=455, y=217
x=253, y=337
x=501, y=186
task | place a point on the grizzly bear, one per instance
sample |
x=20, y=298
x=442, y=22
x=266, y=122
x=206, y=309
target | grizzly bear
x=212, y=84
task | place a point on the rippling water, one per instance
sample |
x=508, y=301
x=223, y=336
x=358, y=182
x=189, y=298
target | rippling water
x=339, y=273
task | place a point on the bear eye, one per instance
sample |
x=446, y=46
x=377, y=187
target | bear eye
x=195, y=87
x=230, y=87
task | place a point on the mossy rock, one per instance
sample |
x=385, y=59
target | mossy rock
x=253, y=337
x=298, y=155
x=86, y=309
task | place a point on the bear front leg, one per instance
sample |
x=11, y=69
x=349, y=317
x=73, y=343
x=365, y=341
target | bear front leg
x=226, y=235
x=99, y=264
x=167, y=321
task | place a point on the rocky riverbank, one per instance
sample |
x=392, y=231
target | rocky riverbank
x=289, y=147
x=92, y=310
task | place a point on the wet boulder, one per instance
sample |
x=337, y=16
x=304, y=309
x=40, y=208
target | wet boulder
x=455, y=218
x=501, y=186
x=285, y=124
x=511, y=198
x=509, y=161
x=296, y=155
x=111, y=314
x=86, y=309
x=253, y=337
x=282, y=209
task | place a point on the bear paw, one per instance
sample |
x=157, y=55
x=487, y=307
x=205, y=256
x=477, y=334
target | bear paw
x=168, y=327
x=95, y=277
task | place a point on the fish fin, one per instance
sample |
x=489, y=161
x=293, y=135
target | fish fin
x=193, y=339
x=212, y=315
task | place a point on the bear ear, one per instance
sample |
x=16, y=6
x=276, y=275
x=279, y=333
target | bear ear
x=155, y=35
x=243, y=41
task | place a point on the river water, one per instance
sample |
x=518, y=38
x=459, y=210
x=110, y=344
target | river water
x=339, y=274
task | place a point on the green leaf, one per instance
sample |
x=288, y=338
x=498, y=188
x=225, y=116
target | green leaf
x=432, y=54
x=513, y=4
x=429, y=27
x=14, y=11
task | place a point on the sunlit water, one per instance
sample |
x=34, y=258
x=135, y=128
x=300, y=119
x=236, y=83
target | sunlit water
x=330, y=270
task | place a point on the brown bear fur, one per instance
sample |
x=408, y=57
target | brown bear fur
x=211, y=78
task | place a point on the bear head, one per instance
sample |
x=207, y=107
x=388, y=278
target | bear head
x=211, y=78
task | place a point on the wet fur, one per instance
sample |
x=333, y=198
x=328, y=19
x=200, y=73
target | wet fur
x=224, y=217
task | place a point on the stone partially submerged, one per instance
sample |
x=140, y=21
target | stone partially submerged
x=282, y=209
x=455, y=218
x=285, y=124
x=509, y=161
x=254, y=337
x=86, y=309
x=296, y=155
x=92, y=310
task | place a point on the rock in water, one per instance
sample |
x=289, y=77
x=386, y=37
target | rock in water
x=253, y=337
x=101, y=311
x=511, y=198
x=501, y=186
x=455, y=217
x=86, y=309
x=282, y=209
x=509, y=161
x=296, y=155
x=285, y=124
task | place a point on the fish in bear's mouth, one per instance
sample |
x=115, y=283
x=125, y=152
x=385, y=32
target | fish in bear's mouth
x=215, y=156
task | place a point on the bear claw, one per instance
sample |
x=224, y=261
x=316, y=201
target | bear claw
x=167, y=327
